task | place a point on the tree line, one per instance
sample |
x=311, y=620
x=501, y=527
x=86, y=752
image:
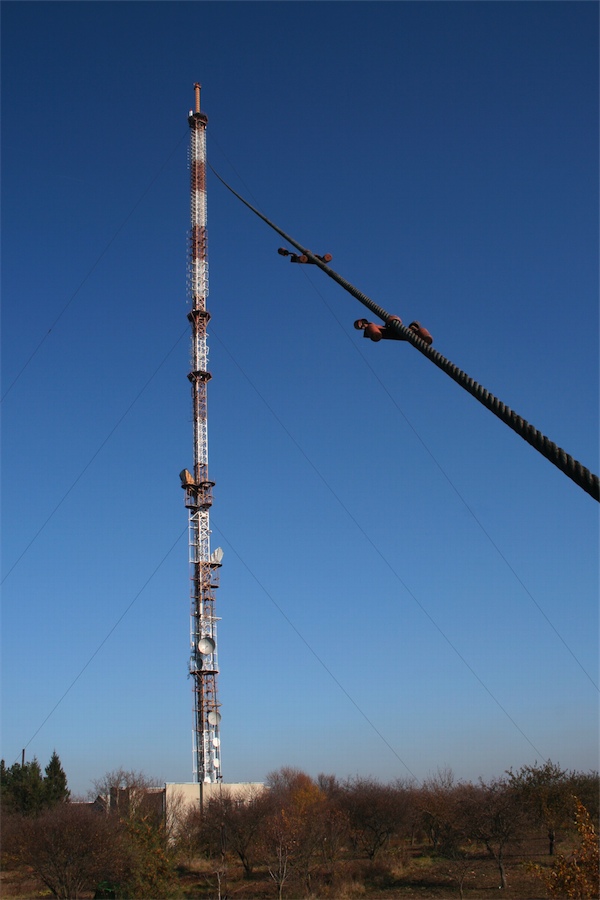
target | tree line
x=87, y=848
x=304, y=831
x=301, y=836
x=24, y=790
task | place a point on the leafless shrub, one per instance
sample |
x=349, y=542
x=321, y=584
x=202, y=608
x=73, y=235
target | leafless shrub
x=72, y=848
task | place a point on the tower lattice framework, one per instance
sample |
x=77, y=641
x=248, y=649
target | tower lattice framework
x=204, y=565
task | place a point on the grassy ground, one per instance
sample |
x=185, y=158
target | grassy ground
x=405, y=873
x=413, y=876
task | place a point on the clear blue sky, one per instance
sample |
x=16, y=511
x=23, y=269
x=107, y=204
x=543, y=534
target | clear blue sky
x=406, y=584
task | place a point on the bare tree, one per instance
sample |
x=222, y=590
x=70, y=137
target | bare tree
x=375, y=812
x=128, y=793
x=175, y=817
x=436, y=800
x=545, y=792
x=278, y=844
x=136, y=802
x=121, y=779
x=413, y=823
x=189, y=841
x=493, y=814
x=241, y=823
x=295, y=825
x=72, y=848
x=336, y=824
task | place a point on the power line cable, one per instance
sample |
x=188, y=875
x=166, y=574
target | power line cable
x=314, y=653
x=239, y=557
x=105, y=639
x=377, y=550
x=417, y=435
x=94, y=455
x=271, y=598
x=93, y=267
x=263, y=588
x=451, y=483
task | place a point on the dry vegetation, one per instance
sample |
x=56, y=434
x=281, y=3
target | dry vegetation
x=524, y=834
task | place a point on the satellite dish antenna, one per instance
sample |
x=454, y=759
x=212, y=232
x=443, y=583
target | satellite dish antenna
x=217, y=763
x=206, y=645
x=217, y=556
x=214, y=718
x=216, y=742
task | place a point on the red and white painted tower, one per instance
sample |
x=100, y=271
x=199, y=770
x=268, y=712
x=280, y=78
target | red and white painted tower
x=204, y=565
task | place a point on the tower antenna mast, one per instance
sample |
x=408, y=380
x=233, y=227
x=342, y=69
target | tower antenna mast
x=204, y=565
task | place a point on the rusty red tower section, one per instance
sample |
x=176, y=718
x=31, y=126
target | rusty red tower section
x=204, y=565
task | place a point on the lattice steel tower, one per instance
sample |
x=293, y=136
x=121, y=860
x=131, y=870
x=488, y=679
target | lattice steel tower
x=204, y=566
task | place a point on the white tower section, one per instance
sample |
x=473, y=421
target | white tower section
x=204, y=566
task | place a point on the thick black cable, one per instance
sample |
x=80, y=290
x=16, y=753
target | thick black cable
x=454, y=488
x=575, y=470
